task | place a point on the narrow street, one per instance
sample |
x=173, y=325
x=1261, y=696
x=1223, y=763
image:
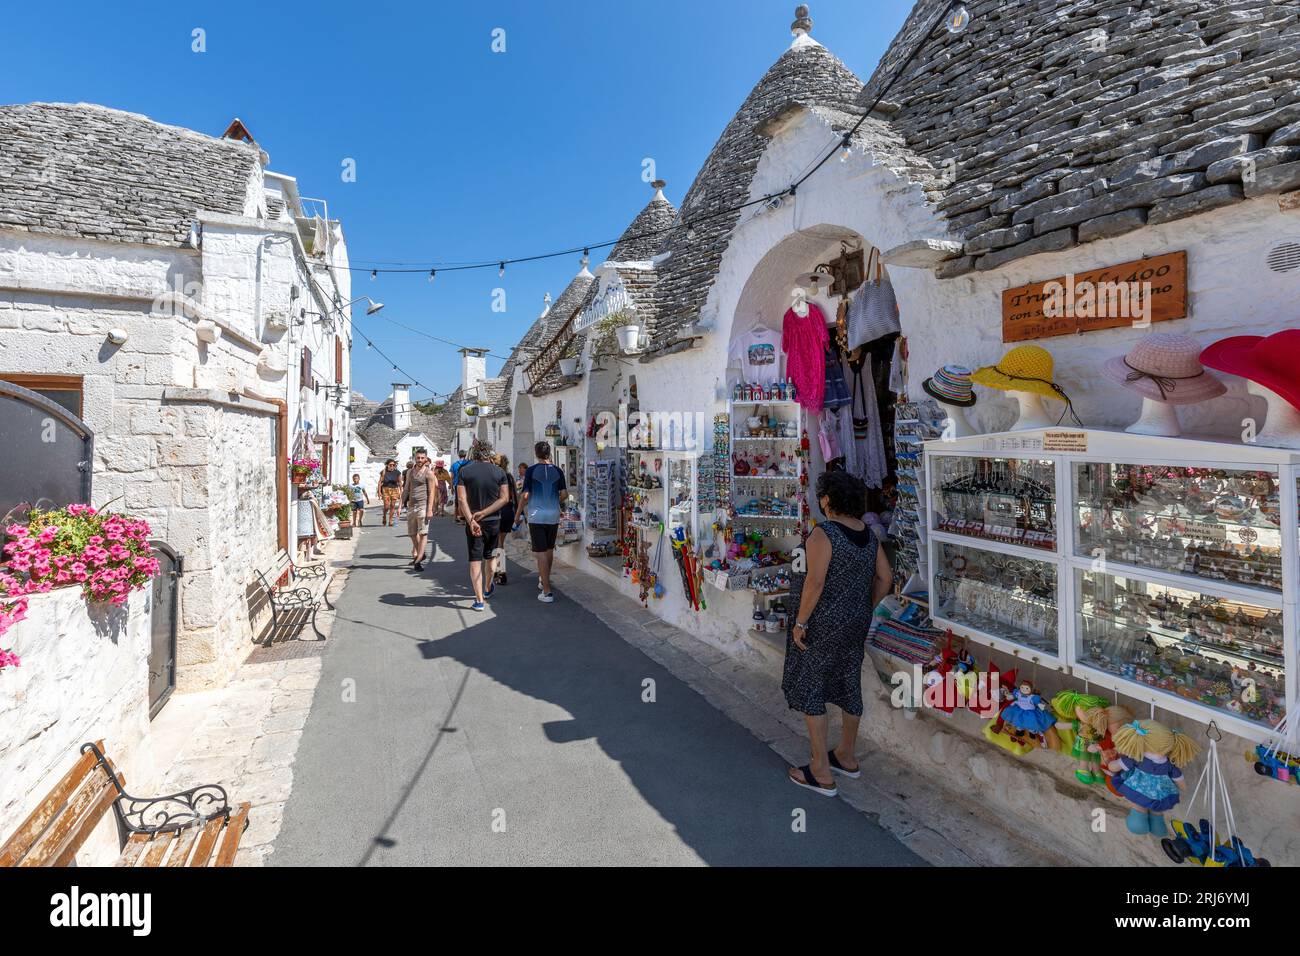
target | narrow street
x=519, y=736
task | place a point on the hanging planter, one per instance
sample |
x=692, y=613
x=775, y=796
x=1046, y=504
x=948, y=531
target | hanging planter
x=471, y=411
x=553, y=430
x=628, y=336
x=568, y=366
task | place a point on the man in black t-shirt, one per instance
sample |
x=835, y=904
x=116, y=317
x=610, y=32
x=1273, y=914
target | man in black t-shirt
x=482, y=490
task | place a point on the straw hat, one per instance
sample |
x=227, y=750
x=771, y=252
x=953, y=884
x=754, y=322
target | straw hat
x=1271, y=361
x=1166, y=367
x=1026, y=368
x=951, y=385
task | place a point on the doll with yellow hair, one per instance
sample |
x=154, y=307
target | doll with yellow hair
x=1153, y=756
x=1071, y=709
x=1105, y=721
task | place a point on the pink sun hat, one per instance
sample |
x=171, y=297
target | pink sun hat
x=1166, y=367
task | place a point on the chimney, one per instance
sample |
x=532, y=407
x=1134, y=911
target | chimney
x=473, y=370
x=401, y=406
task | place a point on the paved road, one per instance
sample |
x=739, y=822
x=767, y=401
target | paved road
x=518, y=736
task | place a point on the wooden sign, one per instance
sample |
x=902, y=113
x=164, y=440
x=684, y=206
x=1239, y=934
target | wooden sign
x=1130, y=294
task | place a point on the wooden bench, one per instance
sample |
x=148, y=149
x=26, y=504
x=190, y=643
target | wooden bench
x=196, y=827
x=289, y=595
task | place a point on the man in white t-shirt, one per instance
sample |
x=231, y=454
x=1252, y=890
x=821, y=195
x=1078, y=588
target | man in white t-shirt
x=758, y=353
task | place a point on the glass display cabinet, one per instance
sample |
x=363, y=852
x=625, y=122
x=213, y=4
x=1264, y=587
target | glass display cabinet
x=1164, y=569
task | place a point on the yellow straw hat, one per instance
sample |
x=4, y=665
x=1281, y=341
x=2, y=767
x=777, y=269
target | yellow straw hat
x=1026, y=368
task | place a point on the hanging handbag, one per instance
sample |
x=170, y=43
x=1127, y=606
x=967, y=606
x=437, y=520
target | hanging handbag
x=873, y=313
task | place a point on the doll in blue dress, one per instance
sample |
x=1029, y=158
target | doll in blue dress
x=1151, y=779
x=1027, y=715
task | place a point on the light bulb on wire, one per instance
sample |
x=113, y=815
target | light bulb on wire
x=432, y=273
x=844, y=149
x=501, y=272
x=957, y=20
x=374, y=274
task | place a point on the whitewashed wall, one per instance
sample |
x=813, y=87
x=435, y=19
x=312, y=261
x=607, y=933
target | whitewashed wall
x=84, y=677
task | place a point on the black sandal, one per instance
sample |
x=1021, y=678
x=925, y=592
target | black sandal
x=810, y=782
x=837, y=767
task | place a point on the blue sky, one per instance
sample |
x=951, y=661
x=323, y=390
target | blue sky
x=462, y=154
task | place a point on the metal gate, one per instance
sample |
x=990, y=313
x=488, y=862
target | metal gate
x=166, y=607
x=48, y=453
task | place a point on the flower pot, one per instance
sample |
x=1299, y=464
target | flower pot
x=628, y=336
x=297, y=478
x=568, y=366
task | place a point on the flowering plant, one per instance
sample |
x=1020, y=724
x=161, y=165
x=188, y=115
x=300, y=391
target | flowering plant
x=108, y=555
x=304, y=466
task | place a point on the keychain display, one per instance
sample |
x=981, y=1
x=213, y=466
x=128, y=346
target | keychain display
x=997, y=499
x=1207, y=842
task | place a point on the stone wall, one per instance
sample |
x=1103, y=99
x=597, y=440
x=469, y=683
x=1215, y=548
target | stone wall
x=84, y=677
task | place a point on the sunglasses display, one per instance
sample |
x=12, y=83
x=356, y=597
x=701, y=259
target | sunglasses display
x=1008, y=597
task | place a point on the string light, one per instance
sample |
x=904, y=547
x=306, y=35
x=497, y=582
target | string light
x=432, y=273
x=844, y=149
x=374, y=274
x=958, y=20
x=501, y=272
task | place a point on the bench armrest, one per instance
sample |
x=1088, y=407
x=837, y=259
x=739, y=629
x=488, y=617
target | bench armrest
x=173, y=811
x=309, y=570
x=294, y=597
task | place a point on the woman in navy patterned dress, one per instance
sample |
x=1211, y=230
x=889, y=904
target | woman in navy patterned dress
x=847, y=576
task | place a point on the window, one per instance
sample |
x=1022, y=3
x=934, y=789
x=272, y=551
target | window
x=63, y=390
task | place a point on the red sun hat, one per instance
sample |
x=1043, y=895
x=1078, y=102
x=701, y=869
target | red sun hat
x=1269, y=360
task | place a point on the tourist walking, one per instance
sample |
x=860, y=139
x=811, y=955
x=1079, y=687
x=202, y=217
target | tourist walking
x=443, y=477
x=418, y=496
x=543, y=495
x=481, y=492
x=507, y=523
x=455, y=471
x=847, y=576
x=359, y=500
x=390, y=491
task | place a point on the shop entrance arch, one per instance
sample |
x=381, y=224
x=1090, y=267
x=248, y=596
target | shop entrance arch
x=762, y=302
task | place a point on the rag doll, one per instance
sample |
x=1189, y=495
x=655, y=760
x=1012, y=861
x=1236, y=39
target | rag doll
x=1071, y=709
x=1153, y=756
x=1027, y=716
x=1104, y=721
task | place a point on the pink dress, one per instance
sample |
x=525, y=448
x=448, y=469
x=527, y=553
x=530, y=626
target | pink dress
x=803, y=340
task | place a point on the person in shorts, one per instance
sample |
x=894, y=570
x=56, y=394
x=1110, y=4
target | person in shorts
x=357, y=492
x=507, y=523
x=482, y=490
x=443, y=477
x=390, y=491
x=543, y=496
x=419, y=496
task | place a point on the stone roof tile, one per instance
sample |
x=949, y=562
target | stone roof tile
x=92, y=172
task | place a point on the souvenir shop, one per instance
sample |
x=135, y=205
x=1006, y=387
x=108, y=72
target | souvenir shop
x=1128, y=579
x=1106, y=574
x=699, y=512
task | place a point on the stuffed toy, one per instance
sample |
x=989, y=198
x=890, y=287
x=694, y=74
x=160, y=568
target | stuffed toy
x=1104, y=721
x=1152, y=756
x=1071, y=709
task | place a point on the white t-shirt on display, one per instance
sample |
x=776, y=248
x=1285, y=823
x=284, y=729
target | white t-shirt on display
x=758, y=354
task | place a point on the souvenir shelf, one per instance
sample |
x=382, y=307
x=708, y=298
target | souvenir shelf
x=1166, y=569
x=766, y=468
x=666, y=494
x=914, y=424
x=604, y=494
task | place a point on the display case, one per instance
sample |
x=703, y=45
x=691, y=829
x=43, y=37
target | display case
x=662, y=485
x=1165, y=569
x=767, y=469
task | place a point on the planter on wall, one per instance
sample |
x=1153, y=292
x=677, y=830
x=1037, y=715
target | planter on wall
x=628, y=337
x=568, y=366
